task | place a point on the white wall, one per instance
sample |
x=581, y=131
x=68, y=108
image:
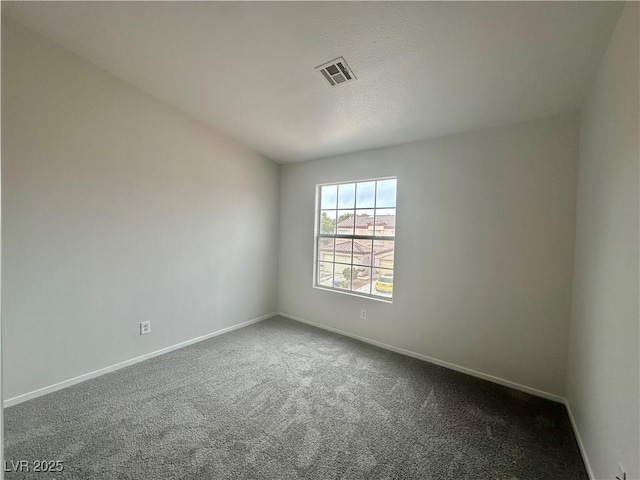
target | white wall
x=117, y=208
x=604, y=363
x=484, y=249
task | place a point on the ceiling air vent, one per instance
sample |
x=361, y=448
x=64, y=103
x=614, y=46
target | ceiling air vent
x=336, y=72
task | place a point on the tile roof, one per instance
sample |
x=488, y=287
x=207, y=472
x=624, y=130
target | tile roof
x=364, y=220
x=360, y=247
x=344, y=246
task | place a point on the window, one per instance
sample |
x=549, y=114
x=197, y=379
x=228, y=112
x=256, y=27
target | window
x=355, y=237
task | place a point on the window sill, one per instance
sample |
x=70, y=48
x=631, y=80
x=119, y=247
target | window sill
x=355, y=294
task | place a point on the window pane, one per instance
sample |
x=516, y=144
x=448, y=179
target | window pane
x=365, y=193
x=345, y=222
x=383, y=253
x=383, y=285
x=347, y=195
x=328, y=222
x=362, y=282
x=325, y=274
x=386, y=222
x=363, y=222
x=386, y=193
x=362, y=252
x=343, y=250
x=342, y=277
x=325, y=250
x=328, y=197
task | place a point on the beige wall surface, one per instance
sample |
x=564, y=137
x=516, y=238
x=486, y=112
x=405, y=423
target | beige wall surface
x=484, y=249
x=117, y=209
x=604, y=360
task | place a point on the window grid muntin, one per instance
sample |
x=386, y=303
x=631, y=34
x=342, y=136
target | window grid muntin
x=354, y=236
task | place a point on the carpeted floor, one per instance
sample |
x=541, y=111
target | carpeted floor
x=282, y=400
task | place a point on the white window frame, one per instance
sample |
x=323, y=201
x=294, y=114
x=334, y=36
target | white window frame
x=336, y=236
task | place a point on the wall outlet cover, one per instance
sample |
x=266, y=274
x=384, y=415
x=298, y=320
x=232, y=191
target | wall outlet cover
x=145, y=327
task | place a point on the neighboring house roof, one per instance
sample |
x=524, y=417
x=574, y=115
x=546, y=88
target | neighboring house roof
x=365, y=220
x=359, y=248
x=344, y=246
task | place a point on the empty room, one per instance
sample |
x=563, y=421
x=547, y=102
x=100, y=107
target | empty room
x=320, y=240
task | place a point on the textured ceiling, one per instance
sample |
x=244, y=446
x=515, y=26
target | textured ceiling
x=424, y=69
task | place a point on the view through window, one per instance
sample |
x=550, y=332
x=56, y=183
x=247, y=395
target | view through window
x=355, y=241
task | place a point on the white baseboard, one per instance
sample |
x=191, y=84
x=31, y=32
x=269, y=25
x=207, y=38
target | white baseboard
x=419, y=356
x=576, y=432
x=96, y=373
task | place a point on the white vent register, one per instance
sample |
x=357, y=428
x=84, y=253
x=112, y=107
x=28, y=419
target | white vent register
x=336, y=72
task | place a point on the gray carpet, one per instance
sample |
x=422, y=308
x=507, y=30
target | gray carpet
x=282, y=400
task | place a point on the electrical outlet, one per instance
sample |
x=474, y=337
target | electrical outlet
x=145, y=327
x=622, y=475
x=363, y=314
